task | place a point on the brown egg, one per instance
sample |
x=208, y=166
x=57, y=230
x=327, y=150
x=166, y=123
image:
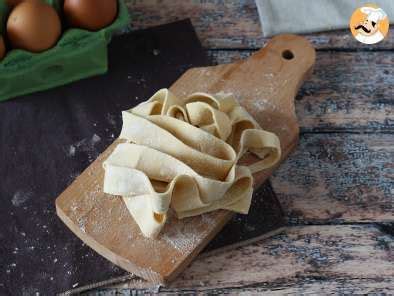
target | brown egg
x=34, y=26
x=2, y=48
x=90, y=14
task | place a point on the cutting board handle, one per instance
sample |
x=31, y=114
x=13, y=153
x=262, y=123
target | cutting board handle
x=294, y=49
x=266, y=83
x=286, y=61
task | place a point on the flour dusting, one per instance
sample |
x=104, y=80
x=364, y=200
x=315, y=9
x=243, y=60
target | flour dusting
x=71, y=151
x=95, y=139
x=82, y=223
x=20, y=197
x=183, y=235
x=111, y=119
x=85, y=145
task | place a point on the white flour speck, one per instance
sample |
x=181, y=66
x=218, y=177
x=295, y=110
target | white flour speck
x=81, y=223
x=207, y=219
x=87, y=146
x=182, y=236
x=71, y=151
x=95, y=139
x=111, y=119
x=20, y=197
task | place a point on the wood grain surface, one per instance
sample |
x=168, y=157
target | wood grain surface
x=349, y=91
x=336, y=178
x=312, y=259
x=230, y=23
x=336, y=175
x=341, y=173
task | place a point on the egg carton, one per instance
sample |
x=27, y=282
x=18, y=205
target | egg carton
x=78, y=54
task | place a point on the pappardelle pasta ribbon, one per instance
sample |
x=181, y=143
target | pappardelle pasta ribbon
x=183, y=154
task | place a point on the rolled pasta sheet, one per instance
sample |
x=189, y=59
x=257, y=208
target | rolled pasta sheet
x=183, y=154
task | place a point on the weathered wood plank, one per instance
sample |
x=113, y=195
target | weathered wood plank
x=334, y=178
x=305, y=259
x=230, y=24
x=350, y=91
x=308, y=286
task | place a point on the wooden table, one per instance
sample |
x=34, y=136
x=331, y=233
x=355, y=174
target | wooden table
x=337, y=189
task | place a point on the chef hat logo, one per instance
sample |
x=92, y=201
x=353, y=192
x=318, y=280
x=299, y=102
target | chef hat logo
x=373, y=14
x=369, y=24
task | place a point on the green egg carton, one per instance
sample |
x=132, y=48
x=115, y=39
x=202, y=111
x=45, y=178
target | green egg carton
x=77, y=55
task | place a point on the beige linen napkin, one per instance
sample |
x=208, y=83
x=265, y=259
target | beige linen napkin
x=307, y=16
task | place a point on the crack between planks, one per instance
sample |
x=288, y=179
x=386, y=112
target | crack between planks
x=386, y=228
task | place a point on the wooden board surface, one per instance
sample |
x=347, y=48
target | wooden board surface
x=266, y=85
x=231, y=24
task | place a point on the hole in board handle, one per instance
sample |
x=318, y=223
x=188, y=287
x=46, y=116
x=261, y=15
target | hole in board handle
x=287, y=54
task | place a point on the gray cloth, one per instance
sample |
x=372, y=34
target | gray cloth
x=307, y=16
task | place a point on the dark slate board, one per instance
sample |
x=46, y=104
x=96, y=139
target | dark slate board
x=264, y=219
x=47, y=139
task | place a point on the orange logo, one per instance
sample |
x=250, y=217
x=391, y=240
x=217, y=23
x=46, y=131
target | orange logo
x=369, y=24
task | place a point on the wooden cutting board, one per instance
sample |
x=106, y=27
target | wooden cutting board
x=266, y=84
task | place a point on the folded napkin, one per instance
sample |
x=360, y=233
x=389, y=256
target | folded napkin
x=307, y=16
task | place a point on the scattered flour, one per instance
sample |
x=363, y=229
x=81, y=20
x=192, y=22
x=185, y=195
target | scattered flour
x=95, y=139
x=182, y=236
x=85, y=145
x=20, y=197
x=71, y=151
x=264, y=104
x=82, y=223
x=111, y=119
